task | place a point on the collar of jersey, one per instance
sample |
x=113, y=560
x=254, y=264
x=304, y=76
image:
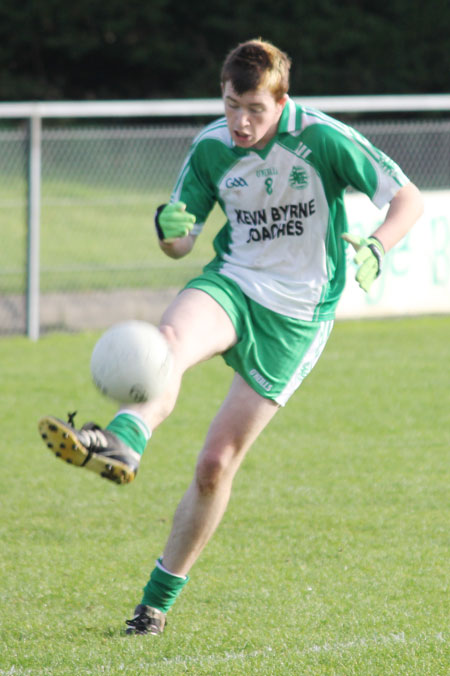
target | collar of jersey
x=290, y=121
x=291, y=118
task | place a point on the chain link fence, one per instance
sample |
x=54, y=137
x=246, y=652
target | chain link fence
x=99, y=259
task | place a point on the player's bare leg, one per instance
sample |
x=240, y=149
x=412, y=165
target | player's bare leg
x=240, y=420
x=197, y=328
x=242, y=417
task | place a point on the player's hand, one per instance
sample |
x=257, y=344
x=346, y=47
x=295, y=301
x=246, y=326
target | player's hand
x=173, y=221
x=369, y=257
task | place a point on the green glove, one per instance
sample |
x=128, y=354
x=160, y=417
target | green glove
x=173, y=221
x=369, y=257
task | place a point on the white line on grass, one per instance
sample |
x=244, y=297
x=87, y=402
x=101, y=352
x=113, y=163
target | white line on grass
x=243, y=656
x=270, y=653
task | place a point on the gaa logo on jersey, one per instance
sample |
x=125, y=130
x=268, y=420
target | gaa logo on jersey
x=235, y=182
x=298, y=178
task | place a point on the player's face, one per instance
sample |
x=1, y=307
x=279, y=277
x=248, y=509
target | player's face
x=252, y=117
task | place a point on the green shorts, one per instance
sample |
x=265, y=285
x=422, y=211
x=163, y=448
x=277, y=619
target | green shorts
x=274, y=353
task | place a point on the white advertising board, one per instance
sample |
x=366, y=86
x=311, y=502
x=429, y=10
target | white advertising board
x=416, y=273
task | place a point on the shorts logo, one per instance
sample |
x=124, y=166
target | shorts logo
x=298, y=178
x=236, y=182
x=260, y=380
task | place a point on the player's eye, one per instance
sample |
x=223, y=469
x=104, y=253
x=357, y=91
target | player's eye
x=232, y=104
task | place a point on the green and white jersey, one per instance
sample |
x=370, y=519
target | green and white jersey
x=284, y=206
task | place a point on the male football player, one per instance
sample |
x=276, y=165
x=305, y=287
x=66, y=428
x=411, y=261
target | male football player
x=267, y=300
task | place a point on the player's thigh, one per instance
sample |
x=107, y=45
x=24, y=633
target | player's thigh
x=197, y=327
x=241, y=418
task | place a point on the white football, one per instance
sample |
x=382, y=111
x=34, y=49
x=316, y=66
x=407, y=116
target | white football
x=131, y=362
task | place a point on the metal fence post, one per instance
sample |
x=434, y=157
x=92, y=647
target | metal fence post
x=34, y=217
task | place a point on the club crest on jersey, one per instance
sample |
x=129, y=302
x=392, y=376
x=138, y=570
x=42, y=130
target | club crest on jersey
x=298, y=178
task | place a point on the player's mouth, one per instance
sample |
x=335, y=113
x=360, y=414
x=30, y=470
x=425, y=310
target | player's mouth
x=241, y=138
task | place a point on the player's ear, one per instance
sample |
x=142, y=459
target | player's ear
x=282, y=102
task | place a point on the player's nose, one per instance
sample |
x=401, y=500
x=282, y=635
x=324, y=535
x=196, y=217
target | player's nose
x=242, y=119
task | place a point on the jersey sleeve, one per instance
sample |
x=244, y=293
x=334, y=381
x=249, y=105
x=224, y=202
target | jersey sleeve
x=195, y=186
x=359, y=164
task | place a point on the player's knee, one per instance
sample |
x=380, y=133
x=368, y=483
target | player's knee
x=212, y=469
x=177, y=347
x=170, y=335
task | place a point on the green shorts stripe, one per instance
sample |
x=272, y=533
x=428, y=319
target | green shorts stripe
x=274, y=353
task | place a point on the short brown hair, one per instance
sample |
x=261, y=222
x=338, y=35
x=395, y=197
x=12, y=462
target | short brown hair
x=257, y=63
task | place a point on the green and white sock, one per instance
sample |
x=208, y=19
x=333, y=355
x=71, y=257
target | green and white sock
x=163, y=588
x=131, y=428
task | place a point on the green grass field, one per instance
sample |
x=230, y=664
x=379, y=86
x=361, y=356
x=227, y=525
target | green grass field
x=91, y=234
x=88, y=239
x=332, y=559
x=99, y=191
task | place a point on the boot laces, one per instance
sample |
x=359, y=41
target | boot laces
x=93, y=438
x=91, y=435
